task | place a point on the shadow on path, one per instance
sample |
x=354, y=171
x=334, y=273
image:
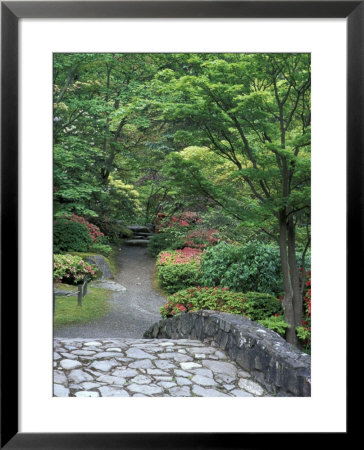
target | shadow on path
x=134, y=310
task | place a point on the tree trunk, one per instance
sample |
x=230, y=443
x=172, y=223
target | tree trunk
x=288, y=305
x=295, y=281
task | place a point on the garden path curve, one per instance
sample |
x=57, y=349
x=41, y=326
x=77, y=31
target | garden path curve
x=134, y=310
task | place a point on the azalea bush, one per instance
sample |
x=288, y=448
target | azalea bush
x=71, y=269
x=171, y=231
x=93, y=230
x=202, y=238
x=70, y=236
x=304, y=331
x=179, y=269
x=182, y=256
x=74, y=234
x=253, y=305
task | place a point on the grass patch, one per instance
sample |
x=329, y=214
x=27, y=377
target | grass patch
x=94, y=306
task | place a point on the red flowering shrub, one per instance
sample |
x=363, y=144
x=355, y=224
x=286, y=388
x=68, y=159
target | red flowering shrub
x=185, y=219
x=304, y=331
x=201, y=238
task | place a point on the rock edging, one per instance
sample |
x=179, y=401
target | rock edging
x=280, y=367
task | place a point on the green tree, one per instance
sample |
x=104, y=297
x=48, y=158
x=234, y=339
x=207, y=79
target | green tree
x=253, y=111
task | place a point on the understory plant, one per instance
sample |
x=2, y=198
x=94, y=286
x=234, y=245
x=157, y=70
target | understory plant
x=71, y=269
x=72, y=233
x=304, y=330
x=255, y=306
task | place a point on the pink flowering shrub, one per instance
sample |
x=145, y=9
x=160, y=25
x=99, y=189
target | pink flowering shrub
x=70, y=269
x=183, y=256
x=93, y=230
x=179, y=269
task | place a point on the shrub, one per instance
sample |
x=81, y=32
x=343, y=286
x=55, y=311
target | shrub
x=254, y=267
x=70, y=236
x=102, y=249
x=72, y=269
x=94, y=230
x=175, y=277
x=259, y=306
x=256, y=306
x=304, y=331
x=201, y=238
x=163, y=241
x=179, y=269
x=275, y=323
x=182, y=256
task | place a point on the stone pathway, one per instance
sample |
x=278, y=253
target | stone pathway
x=147, y=368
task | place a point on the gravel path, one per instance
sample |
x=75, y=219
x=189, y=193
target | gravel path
x=147, y=368
x=134, y=310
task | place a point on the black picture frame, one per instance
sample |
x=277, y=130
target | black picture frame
x=11, y=12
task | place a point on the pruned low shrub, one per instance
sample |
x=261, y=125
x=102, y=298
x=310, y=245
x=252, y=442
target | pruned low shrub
x=179, y=269
x=71, y=269
x=173, y=278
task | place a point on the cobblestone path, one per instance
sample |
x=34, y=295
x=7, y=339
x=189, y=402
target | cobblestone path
x=147, y=368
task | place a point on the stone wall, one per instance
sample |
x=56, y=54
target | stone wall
x=280, y=367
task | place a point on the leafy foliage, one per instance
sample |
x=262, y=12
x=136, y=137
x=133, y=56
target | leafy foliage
x=258, y=307
x=70, y=236
x=251, y=267
x=72, y=269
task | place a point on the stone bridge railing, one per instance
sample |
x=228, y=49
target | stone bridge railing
x=280, y=367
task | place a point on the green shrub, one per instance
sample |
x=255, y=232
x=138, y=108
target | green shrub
x=260, y=306
x=174, y=277
x=70, y=236
x=102, y=249
x=275, y=323
x=264, y=308
x=254, y=267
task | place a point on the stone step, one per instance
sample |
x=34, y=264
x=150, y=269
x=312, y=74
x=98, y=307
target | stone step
x=138, y=228
x=137, y=242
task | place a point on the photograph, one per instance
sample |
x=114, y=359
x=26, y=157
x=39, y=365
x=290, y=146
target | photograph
x=176, y=174
x=182, y=224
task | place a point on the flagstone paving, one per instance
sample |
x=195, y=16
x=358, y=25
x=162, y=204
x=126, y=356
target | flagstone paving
x=147, y=368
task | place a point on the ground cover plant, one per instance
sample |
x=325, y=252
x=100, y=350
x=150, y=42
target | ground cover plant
x=94, y=306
